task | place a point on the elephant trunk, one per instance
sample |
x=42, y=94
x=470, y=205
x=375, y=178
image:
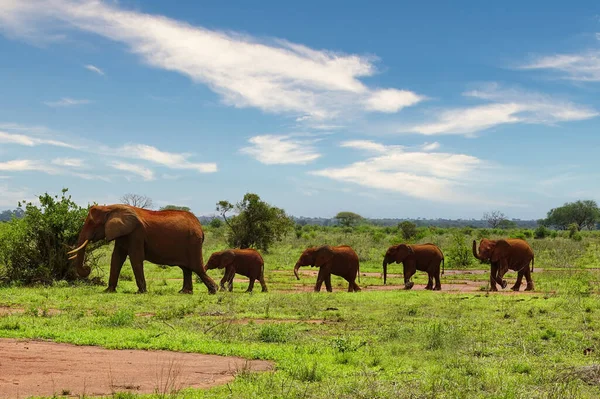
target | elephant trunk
x=296, y=271
x=385, y=263
x=475, y=254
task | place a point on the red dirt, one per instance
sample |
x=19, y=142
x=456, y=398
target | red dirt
x=39, y=368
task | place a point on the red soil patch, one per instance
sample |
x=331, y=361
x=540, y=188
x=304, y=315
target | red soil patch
x=38, y=368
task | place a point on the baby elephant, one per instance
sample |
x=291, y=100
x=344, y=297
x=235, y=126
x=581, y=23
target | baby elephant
x=424, y=257
x=341, y=261
x=246, y=262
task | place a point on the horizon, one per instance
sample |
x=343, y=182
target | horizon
x=400, y=111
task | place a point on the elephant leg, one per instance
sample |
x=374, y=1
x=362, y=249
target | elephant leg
x=230, y=275
x=223, y=281
x=320, y=278
x=261, y=280
x=188, y=287
x=251, y=284
x=137, y=264
x=352, y=286
x=429, y=285
x=327, y=280
x=438, y=283
x=116, y=263
x=530, y=286
x=408, y=273
x=517, y=285
x=493, y=274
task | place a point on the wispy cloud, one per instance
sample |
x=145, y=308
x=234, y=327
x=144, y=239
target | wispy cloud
x=94, y=69
x=435, y=176
x=68, y=162
x=26, y=165
x=274, y=150
x=145, y=173
x=30, y=141
x=66, y=102
x=10, y=196
x=584, y=66
x=272, y=75
x=168, y=159
x=508, y=106
x=431, y=146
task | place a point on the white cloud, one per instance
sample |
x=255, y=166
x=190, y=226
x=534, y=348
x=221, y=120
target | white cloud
x=168, y=159
x=275, y=75
x=392, y=100
x=507, y=107
x=94, y=69
x=431, y=146
x=25, y=165
x=425, y=175
x=30, y=141
x=66, y=102
x=274, y=149
x=145, y=173
x=10, y=197
x=584, y=67
x=68, y=162
x=364, y=145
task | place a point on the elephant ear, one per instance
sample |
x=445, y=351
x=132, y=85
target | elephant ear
x=226, y=258
x=323, y=255
x=500, y=251
x=120, y=222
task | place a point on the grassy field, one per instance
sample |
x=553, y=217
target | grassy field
x=372, y=344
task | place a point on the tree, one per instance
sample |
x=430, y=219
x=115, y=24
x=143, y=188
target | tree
x=348, y=219
x=33, y=249
x=6, y=216
x=256, y=223
x=175, y=208
x=506, y=224
x=585, y=214
x=409, y=229
x=494, y=218
x=140, y=201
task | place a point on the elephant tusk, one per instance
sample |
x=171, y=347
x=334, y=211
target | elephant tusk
x=79, y=248
x=73, y=257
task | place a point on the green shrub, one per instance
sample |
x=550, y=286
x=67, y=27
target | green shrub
x=34, y=249
x=274, y=333
x=408, y=229
x=459, y=252
x=541, y=232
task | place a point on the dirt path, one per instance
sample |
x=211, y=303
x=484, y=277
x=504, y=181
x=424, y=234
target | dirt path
x=39, y=368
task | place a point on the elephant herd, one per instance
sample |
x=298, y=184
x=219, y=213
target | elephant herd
x=176, y=238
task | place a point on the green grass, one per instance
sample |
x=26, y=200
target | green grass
x=372, y=344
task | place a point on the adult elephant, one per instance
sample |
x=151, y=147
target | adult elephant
x=341, y=261
x=246, y=262
x=514, y=254
x=170, y=237
x=423, y=257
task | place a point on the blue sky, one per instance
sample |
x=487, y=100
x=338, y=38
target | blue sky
x=387, y=109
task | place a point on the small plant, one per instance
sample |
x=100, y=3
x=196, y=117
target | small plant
x=120, y=318
x=308, y=372
x=274, y=333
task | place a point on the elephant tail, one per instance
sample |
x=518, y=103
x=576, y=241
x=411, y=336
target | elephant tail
x=443, y=265
x=532, y=262
x=358, y=272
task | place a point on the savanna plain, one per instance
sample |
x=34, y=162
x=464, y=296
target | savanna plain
x=382, y=342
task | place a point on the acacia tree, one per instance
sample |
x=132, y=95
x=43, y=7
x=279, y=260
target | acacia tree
x=137, y=200
x=494, y=218
x=348, y=219
x=585, y=214
x=256, y=223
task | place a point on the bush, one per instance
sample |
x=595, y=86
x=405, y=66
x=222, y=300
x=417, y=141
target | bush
x=459, y=252
x=34, y=249
x=409, y=229
x=541, y=232
x=573, y=229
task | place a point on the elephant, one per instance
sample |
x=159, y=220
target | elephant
x=514, y=254
x=246, y=262
x=168, y=237
x=341, y=261
x=424, y=257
